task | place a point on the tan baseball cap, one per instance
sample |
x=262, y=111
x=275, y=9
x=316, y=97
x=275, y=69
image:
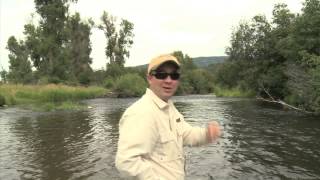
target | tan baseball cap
x=157, y=61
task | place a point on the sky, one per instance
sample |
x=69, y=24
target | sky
x=196, y=27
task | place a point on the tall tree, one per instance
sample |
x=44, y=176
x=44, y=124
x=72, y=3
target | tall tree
x=59, y=46
x=20, y=67
x=282, y=19
x=252, y=47
x=79, y=48
x=305, y=57
x=124, y=42
x=284, y=58
x=47, y=41
x=185, y=60
x=118, y=42
x=251, y=41
x=241, y=43
x=3, y=75
x=282, y=22
x=307, y=30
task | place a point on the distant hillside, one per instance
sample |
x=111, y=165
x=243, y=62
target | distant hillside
x=201, y=62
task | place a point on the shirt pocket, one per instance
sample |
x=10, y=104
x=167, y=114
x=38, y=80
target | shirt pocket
x=179, y=124
x=168, y=149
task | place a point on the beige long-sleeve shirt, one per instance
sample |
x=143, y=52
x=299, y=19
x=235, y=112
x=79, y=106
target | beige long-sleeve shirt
x=151, y=139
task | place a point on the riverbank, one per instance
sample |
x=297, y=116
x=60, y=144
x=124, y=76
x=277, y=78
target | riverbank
x=232, y=92
x=62, y=97
x=48, y=97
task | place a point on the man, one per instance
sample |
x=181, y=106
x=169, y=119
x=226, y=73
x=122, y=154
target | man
x=152, y=132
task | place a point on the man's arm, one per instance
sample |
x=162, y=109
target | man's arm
x=196, y=136
x=213, y=131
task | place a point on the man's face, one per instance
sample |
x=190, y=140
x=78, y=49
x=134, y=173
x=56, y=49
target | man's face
x=164, y=88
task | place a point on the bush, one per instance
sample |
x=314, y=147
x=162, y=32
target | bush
x=130, y=85
x=2, y=100
x=184, y=88
x=220, y=91
x=200, y=81
x=108, y=83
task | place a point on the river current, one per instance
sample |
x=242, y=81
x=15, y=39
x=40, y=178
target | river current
x=259, y=141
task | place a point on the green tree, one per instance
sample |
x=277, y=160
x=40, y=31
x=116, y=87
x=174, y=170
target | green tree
x=193, y=80
x=282, y=21
x=281, y=57
x=79, y=48
x=251, y=51
x=98, y=77
x=241, y=43
x=185, y=60
x=47, y=42
x=226, y=74
x=187, y=66
x=304, y=57
x=306, y=31
x=251, y=41
x=124, y=42
x=20, y=67
x=200, y=80
x=118, y=42
x=3, y=75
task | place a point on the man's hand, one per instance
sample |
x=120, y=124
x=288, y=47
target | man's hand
x=213, y=131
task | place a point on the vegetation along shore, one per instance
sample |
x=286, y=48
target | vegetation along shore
x=276, y=60
x=47, y=97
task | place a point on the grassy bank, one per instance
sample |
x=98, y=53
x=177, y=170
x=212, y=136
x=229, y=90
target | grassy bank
x=233, y=92
x=48, y=97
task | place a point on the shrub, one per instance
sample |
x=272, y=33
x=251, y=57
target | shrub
x=108, y=83
x=2, y=100
x=184, y=88
x=130, y=85
x=232, y=92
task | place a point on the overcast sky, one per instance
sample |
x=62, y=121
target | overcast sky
x=195, y=27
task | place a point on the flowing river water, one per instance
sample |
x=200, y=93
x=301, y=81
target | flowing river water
x=259, y=141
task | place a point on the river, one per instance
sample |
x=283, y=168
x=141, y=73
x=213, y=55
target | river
x=259, y=141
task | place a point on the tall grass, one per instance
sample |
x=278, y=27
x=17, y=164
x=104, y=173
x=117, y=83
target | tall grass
x=233, y=92
x=51, y=93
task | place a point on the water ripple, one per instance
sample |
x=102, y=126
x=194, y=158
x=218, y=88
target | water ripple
x=258, y=141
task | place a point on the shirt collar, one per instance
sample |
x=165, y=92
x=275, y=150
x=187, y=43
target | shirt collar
x=159, y=102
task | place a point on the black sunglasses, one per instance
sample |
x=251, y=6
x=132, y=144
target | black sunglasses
x=164, y=75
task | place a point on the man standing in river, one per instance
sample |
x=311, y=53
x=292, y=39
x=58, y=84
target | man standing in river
x=152, y=132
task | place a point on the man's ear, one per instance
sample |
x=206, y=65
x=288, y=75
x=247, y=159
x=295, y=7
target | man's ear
x=149, y=77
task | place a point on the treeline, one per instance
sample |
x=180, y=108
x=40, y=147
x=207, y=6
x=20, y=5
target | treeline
x=278, y=60
x=57, y=48
x=131, y=81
